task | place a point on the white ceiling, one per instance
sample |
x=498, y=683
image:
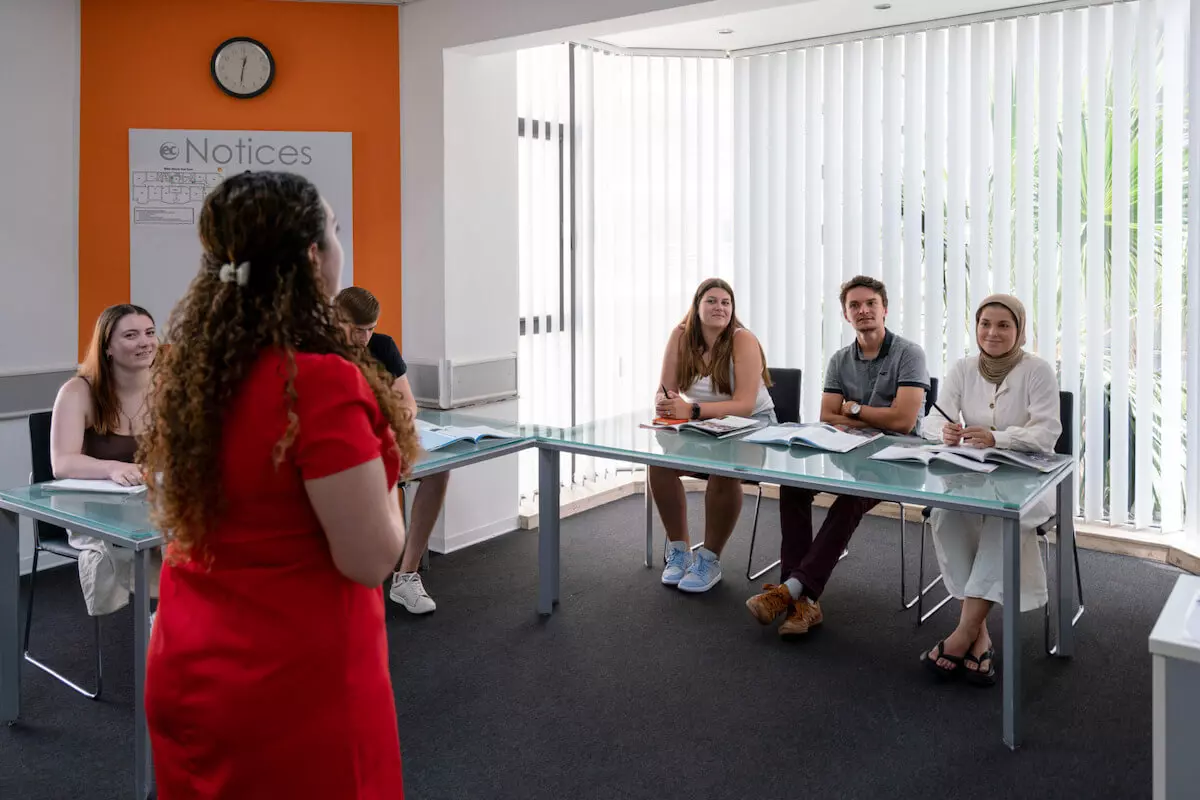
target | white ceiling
x=805, y=20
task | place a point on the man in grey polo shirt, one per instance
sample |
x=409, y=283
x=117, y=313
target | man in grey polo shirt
x=879, y=381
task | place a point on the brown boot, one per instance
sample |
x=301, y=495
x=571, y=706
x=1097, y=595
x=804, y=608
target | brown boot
x=767, y=606
x=805, y=614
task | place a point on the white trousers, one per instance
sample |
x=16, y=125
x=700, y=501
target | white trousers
x=970, y=552
x=106, y=573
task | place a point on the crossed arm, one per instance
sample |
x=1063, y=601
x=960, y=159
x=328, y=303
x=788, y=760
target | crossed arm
x=899, y=417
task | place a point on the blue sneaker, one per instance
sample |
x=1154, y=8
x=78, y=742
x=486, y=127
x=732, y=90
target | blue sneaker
x=678, y=560
x=703, y=574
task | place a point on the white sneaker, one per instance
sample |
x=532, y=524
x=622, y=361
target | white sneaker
x=408, y=591
x=679, y=558
x=703, y=574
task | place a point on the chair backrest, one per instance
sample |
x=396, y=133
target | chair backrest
x=43, y=469
x=785, y=393
x=1065, y=446
x=931, y=395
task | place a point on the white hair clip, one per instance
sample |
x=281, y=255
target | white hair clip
x=240, y=273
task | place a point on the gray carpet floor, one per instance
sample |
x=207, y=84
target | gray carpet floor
x=634, y=690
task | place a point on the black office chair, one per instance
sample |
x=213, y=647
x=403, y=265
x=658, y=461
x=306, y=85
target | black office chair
x=51, y=539
x=1065, y=446
x=785, y=394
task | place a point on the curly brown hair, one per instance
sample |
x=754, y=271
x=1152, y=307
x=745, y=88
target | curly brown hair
x=270, y=220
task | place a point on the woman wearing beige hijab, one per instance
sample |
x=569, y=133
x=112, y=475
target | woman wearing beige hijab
x=1007, y=399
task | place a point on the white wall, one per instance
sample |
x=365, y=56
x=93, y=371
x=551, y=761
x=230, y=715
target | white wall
x=459, y=182
x=427, y=78
x=39, y=137
x=481, y=202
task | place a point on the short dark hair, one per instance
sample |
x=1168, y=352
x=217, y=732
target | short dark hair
x=866, y=282
x=358, y=305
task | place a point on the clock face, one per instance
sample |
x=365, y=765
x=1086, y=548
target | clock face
x=243, y=67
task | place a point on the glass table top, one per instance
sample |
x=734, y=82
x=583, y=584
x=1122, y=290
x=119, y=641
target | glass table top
x=453, y=454
x=1007, y=488
x=121, y=516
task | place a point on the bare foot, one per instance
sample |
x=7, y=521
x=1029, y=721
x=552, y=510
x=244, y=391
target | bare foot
x=981, y=646
x=956, y=644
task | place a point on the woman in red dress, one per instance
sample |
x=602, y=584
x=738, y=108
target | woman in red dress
x=279, y=448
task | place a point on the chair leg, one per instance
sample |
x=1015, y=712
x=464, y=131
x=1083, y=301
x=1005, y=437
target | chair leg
x=99, y=666
x=923, y=588
x=1051, y=649
x=91, y=695
x=1078, y=583
x=29, y=605
x=753, y=535
x=1046, y=609
x=922, y=616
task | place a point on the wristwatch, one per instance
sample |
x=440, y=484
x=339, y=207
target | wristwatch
x=695, y=411
x=854, y=409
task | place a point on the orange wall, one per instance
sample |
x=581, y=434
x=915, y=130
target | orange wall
x=145, y=64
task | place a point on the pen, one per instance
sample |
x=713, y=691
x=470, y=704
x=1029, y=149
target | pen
x=947, y=416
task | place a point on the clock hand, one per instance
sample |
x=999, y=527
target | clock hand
x=242, y=79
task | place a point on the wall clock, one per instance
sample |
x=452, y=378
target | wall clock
x=243, y=67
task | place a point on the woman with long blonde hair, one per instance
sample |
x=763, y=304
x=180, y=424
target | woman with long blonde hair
x=279, y=448
x=713, y=367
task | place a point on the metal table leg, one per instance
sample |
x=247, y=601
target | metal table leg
x=1012, y=633
x=143, y=771
x=10, y=629
x=548, y=538
x=649, y=521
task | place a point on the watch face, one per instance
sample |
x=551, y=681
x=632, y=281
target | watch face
x=243, y=67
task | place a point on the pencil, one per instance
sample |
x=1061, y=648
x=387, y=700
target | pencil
x=947, y=416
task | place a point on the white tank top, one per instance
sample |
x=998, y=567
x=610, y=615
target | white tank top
x=702, y=392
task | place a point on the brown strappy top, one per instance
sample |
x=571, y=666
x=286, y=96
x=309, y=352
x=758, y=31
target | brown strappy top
x=109, y=446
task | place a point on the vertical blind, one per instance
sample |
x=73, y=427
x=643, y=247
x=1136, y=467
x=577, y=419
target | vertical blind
x=1004, y=156
x=1009, y=156
x=544, y=369
x=653, y=213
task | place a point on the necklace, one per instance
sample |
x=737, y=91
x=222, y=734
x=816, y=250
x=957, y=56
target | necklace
x=137, y=414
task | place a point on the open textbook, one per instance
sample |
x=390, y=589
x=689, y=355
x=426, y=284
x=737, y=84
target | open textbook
x=926, y=454
x=102, y=486
x=820, y=435
x=434, y=437
x=972, y=457
x=720, y=427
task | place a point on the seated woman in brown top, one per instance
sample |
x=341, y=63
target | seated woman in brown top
x=97, y=416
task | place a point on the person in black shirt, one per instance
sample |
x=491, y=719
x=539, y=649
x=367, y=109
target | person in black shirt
x=359, y=312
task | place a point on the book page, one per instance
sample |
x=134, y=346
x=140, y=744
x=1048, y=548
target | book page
x=723, y=425
x=477, y=432
x=899, y=453
x=964, y=463
x=83, y=485
x=774, y=434
x=828, y=437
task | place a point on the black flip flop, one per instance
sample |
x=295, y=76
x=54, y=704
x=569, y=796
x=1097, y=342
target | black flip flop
x=977, y=676
x=943, y=673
